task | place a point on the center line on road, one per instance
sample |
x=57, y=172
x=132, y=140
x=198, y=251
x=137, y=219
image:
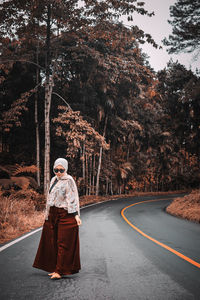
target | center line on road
x=191, y=261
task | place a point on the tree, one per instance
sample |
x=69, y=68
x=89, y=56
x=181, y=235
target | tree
x=109, y=82
x=16, y=101
x=80, y=136
x=177, y=83
x=180, y=148
x=27, y=23
x=186, y=27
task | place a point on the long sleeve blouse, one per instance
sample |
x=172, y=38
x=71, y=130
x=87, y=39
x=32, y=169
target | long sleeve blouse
x=63, y=194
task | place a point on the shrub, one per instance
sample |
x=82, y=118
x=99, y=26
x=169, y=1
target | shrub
x=187, y=207
x=20, y=211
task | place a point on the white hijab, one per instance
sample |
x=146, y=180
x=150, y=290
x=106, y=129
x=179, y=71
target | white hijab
x=62, y=162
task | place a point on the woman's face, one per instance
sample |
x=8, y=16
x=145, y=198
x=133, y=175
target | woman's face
x=59, y=171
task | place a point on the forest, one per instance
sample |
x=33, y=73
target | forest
x=75, y=83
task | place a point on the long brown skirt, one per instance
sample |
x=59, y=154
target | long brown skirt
x=58, y=250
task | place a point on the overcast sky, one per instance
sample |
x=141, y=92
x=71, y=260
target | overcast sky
x=159, y=28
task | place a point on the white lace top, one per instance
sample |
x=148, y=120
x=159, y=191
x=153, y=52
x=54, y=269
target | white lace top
x=64, y=194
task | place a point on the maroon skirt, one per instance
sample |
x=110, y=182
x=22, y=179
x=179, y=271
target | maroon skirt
x=58, y=250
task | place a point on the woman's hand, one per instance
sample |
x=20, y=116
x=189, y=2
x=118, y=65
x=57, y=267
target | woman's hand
x=78, y=220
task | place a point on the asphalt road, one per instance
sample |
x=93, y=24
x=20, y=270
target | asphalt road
x=117, y=261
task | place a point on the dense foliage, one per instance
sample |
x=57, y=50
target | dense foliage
x=121, y=126
x=185, y=21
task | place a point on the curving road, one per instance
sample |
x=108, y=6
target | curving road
x=117, y=261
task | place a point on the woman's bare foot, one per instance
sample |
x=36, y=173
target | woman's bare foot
x=55, y=276
x=50, y=274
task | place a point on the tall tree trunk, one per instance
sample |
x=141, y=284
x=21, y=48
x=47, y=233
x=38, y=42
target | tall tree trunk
x=120, y=189
x=111, y=186
x=107, y=185
x=90, y=175
x=111, y=178
x=48, y=94
x=47, y=105
x=83, y=164
x=98, y=171
x=93, y=175
x=37, y=124
x=100, y=158
x=86, y=174
x=157, y=181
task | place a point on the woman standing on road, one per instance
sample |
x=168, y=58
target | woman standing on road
x=58, y=250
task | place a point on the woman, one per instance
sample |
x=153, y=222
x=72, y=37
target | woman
x=58, y=251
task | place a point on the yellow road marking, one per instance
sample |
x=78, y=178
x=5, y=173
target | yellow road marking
x=191, y=261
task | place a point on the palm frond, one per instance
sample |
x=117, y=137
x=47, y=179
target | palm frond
x=26, y=169
x=125, y=170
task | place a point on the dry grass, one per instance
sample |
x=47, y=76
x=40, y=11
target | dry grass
x=86, y=200
x=18, y=213
x=23, y=210
x=187, y=207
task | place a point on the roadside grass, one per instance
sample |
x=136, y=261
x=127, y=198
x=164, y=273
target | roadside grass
x=187, y=207
x=22, y=211
x=19, y=213
x=86, y=200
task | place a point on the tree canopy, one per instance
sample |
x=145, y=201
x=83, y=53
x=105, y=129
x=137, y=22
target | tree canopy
x=185, y=21
x=119, y=121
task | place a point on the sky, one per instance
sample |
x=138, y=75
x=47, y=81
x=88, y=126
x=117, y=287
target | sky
x=159, y=28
